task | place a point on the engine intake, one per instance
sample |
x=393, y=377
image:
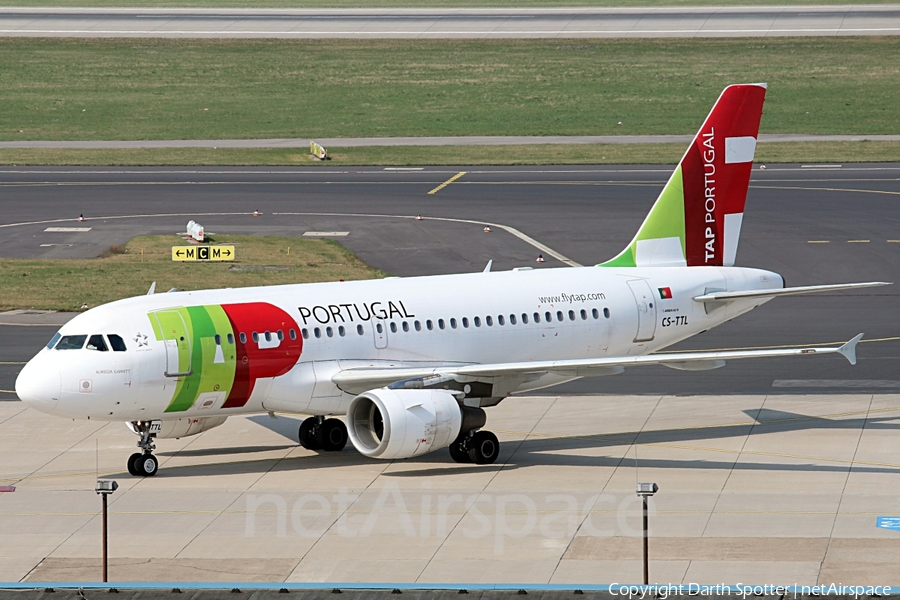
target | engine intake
x=391, y=424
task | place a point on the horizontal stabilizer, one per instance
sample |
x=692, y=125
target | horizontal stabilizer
x=806, y=289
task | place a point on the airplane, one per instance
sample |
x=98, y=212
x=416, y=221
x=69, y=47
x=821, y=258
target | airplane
x=412, y=363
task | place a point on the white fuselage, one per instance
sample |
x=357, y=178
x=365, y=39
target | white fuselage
x=493, y=317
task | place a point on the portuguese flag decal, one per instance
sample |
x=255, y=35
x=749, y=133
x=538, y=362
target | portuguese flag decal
x=665, y=293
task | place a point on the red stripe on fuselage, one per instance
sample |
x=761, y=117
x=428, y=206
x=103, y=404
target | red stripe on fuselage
x=254, y=362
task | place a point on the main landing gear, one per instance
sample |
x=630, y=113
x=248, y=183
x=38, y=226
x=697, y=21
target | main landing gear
x=143, y=464
x=480, y=447
x=319, y=433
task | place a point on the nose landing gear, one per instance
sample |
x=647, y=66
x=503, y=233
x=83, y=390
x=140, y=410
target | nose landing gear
x=143, y=464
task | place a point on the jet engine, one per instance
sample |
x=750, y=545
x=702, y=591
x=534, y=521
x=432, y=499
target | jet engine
x=391, y=424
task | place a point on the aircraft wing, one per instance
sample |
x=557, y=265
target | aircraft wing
x=362, y=379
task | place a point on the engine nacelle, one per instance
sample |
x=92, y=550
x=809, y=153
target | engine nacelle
x=391, y=424
x=179, y=428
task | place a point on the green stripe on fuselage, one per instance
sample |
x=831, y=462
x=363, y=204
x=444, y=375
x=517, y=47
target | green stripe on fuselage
x=210, y=374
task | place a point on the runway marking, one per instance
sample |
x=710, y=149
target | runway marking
x=822, y=189
x=511, y=230
x=858, y=241
x=893, y=241
x=836, y=383
x=446, y=183
x=7, y=391
x=817, y=241
x=8, y=362
x=869, y=341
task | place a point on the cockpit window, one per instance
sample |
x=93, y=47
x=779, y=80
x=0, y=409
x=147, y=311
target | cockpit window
x=117, y=343
x=53, y=341
x=96, y=343
x=71, y=342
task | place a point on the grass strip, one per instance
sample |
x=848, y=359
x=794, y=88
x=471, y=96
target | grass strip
x=130, y=269
x=82, y=89
x=549, y=154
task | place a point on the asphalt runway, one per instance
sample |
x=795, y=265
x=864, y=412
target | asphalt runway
x=813, y=224
x=453, y=23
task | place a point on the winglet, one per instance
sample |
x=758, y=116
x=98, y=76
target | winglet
x=848, y=350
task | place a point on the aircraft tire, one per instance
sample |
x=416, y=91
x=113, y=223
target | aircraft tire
x=458, y=454
x=308, y=439
x=333, y=435
x=484, y=447
x=146, y=465
x=132, y=460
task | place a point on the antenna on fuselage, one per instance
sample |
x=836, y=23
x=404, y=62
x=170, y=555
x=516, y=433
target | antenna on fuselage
x=487, y=269
x=152, y=289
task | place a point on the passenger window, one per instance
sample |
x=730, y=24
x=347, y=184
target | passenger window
x=548, y=317
x=583, y=315
x=280, y=335
x=440, y=323
x=292, y=334
x=453, y=323
x=268, y=336
x=465, y=321
x=53, y=340
x=243, y=337
x=571, y=315
x=477, y=322
x=231, y=338
x=317, y=332
x=71, y=342
x=359, y=329
x=117, y=343
x=393, y=327
x=329, y=331
x=255, y=337
x=96, y=343
x=525, y=318
x=489, y=321
x=429, y=324
x=218, y=340
x=537, y=318
x=418, y=326
x=305, y=333
x=500, y=320
x=405, y=326
x=341, y=331
x=594, y=313
x=606, y=312
x=512, y=319
x=379, y=328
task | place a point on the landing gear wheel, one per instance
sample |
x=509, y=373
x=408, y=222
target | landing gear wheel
x=309, y=437
x=459, y=451
x=146, y=465
x=132, y=469
x=333, y=435
x=484, y=447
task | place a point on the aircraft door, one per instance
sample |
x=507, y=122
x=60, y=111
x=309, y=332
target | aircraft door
x=379, y=328
x=646, y=308
x=177, y=341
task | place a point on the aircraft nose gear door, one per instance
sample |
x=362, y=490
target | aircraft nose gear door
x=646, y=308
x=178, y=343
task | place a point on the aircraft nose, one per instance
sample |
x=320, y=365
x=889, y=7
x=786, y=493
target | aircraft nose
x=39, y=386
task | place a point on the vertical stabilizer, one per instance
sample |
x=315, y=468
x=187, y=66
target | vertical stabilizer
x=696, y=221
